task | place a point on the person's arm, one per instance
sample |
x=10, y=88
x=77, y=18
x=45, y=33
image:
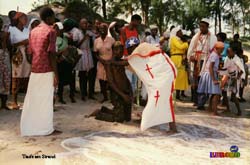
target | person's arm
x=5, y=40
x=24, y=42
x=179, y=44
x=52, y=55
x=122, y=63
x=96, y=54
x=211, y=72
x=191, y=48
x=123, y=36
x=86, y=36
x=113, y=85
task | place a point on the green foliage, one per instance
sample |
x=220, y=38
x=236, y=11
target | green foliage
x=78, y=10
x=188, y=13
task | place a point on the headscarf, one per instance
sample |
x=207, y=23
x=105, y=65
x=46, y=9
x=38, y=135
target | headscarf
x=69, y=24
x=131, y=42
x=153, y=27
x=31, y=22
x=174, y=31
x=173, y=34
x=166, y=34
x=205, y=20
x=18, y=15
x=147, y=30
x=59, y=25
x=219, y=44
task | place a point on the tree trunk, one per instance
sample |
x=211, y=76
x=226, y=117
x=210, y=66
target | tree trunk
x=219, y=14
x=104, y=9
x=215, y=22
x=66, y=1
x=146, y=14
x=244, y=24
x=145, y=10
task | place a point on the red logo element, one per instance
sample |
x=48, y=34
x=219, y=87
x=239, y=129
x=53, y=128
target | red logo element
x=148, y=69
x=157, y=97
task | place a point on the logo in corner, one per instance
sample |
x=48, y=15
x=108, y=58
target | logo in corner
x=233, y=154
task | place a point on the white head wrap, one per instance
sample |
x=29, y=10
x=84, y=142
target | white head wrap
x=173, y=33
x=31, y=22
x=205, y=20
x=153, y=27
x=59, y=25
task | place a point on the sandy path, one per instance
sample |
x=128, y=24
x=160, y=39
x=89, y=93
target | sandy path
x=200, y=133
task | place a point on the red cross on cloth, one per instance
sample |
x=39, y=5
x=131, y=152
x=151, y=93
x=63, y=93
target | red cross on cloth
x=149, y=71
x=156, y=97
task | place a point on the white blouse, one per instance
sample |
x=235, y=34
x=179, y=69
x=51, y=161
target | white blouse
x=17, y=35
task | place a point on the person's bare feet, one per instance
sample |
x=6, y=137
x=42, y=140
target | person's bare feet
x=55, y=132
x=15, y=106
x=139, y=115
x=171, y=132
x=93, y=113
x=215, y=114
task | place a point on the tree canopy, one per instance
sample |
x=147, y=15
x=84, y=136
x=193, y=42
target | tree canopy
x=235, y=13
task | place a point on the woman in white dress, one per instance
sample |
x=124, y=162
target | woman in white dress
x=21, y=68
x=85, y=65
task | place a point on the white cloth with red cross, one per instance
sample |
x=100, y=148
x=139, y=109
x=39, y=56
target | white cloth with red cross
x=157, y=72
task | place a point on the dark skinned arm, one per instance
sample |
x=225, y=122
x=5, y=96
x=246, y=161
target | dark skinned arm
x=24, y=42
x=96, y=54
x=52, y=55
x=5, y=40
x=122, y=63
x=113, y=85
x=52, y=60
x=84, y=38
x=123, y=36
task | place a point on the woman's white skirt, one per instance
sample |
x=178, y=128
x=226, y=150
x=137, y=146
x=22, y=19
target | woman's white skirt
x=37, y=114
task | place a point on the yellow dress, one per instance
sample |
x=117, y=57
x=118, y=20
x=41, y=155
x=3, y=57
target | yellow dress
x=178, y=49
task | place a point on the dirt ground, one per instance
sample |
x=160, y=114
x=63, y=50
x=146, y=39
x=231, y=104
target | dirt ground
x=88, y=141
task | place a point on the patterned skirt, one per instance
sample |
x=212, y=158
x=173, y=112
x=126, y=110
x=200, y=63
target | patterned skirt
x=5, y=72
x=207, y=86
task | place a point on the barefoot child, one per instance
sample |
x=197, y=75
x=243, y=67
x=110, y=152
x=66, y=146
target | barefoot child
x=121, y=91
x=235, y=69
x=209, y=83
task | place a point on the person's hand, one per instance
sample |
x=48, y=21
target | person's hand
x=216, y=82
x=127, y=98
x=55, y=81
x=25, y=42
x=192, y=59
x=105, y=62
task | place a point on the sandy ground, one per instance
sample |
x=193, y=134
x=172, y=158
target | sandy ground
x=88, y=141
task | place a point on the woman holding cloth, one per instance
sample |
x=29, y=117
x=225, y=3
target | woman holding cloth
x=178, y=50
x=20, y=66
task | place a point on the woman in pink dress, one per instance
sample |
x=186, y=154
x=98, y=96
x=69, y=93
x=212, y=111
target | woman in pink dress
x=103, y=51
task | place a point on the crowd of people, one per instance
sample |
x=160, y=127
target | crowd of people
x=46, y=55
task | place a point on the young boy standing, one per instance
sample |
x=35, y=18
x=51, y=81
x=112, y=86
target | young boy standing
x=37, y=114
x=235, y=69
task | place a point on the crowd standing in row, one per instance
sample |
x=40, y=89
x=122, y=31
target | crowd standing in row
x=49, y=52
